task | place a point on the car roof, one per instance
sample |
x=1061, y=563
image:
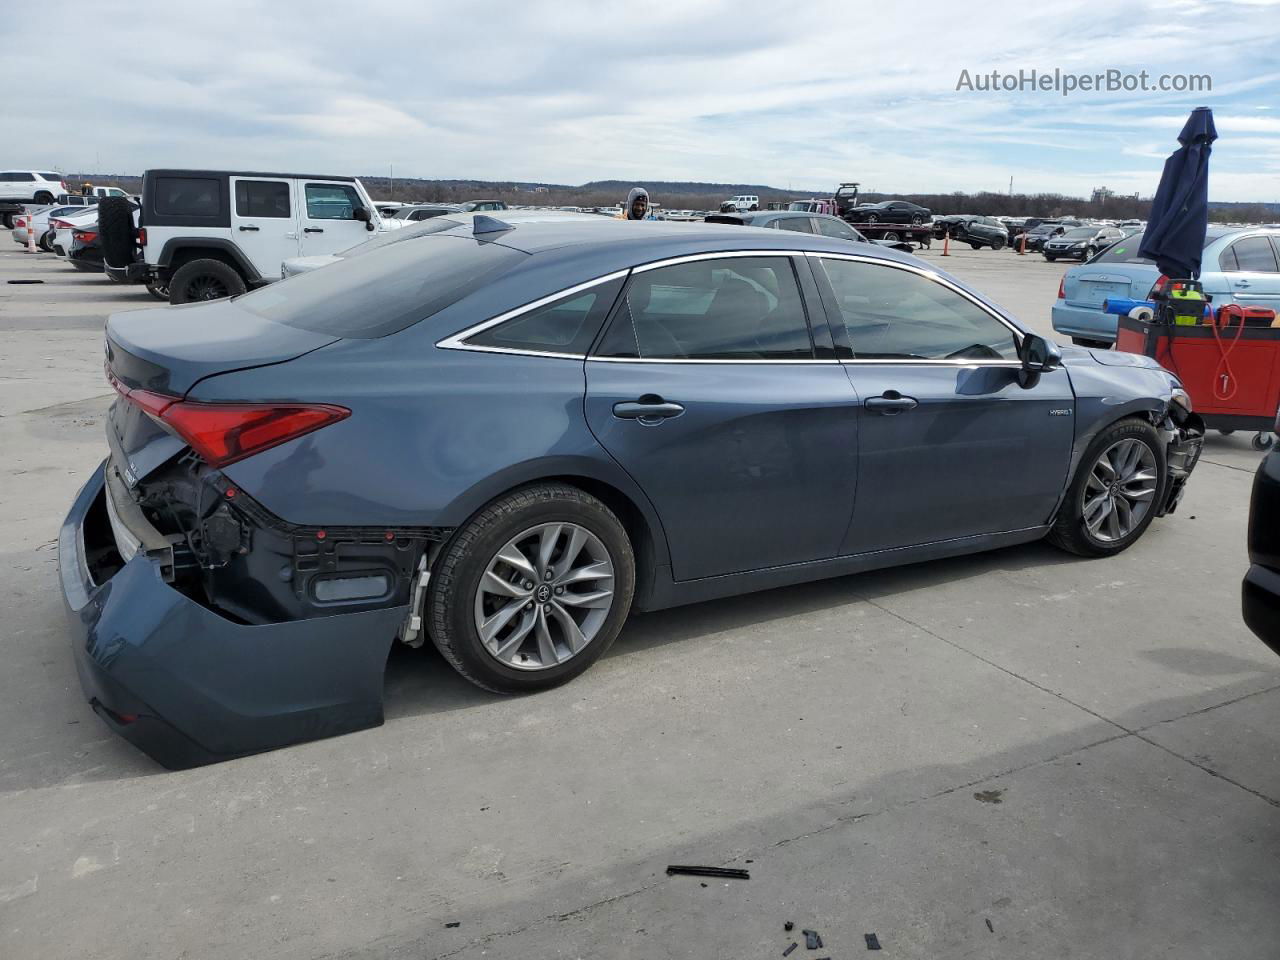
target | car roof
x=618, y=244
x=176, y=172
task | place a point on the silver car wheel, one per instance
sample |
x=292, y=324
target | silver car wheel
x=1120, y=490
x=544, y=596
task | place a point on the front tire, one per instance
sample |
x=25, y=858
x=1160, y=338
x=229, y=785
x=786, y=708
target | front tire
x=205, y=280
x=1115, y=493
x=532, y=590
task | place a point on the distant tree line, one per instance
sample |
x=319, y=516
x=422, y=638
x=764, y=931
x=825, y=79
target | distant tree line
x=681, y=195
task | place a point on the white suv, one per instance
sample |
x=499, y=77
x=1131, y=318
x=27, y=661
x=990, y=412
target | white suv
x=30, y=186
x=208, y=234
x=742, y=203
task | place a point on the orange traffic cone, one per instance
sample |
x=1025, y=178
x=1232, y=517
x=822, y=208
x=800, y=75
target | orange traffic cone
x=946, y=243
x=1022, y=244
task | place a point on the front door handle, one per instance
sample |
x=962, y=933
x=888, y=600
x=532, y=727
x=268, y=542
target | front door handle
x=313, y=230
x=891, y=403
x=254, y=229
x=652, y=411
x=1242, y=283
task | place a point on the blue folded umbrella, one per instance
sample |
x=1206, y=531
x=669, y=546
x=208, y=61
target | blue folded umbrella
x=1174, y=237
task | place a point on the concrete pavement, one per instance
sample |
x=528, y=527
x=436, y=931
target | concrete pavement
x=1083, y=753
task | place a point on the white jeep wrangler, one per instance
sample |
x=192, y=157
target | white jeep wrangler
x=743, y=203
x=208, y=234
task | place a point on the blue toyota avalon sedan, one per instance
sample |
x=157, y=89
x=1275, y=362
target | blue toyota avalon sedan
x=505, y=438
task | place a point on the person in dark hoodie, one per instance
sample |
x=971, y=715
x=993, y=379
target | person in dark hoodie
x=637, y=205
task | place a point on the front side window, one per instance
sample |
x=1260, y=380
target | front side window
x=332, y=201
x=894, y=314
x=1250, y=255
x=796, y=224
x=567, y=325
x=187, y=196
x=57, y=177
x=736, y=308
x=262, y=198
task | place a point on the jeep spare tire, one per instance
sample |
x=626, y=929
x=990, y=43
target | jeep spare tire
x=115, y=231
x=205, y=280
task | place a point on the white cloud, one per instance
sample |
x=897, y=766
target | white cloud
x=675, y=89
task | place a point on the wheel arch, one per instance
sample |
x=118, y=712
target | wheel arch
x=177, y=252
x=612, y=487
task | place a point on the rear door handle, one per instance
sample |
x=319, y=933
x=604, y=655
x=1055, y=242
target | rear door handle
x=647, y=412
x=891, y=403
x=254, y=229
x=1242, y=283
x=313, y=230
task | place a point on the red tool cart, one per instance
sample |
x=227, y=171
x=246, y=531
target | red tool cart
x=1229, y=364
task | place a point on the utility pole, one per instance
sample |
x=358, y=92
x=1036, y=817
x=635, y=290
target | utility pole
x=1011, y=186
x=393, y=182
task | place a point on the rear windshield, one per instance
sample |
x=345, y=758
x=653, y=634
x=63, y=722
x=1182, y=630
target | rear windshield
x=436, y=225
x=367, y=297
x=1122, y=251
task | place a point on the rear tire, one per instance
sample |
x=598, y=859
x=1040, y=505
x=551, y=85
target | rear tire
x=1072, y=532
x=158, y=290
x=975, y=245
x=44, y=196
x=205, y=280
x=115, y=231
x=891, y=235
x=514, y=525
x=45, y=242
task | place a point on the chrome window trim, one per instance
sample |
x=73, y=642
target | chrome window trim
x=1018, y=334
x=456, y=341
x=809, y=360
x=718, y=255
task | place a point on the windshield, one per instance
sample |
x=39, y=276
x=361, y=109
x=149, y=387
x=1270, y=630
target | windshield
x=1123, y=251
x=1079, y=233
x=367, y=297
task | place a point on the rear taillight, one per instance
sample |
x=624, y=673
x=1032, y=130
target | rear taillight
x=59, y=224
x=1062, y=288
x=222, y=433
x=20, y=221
x=1158, y=287
x=85, y=236
x=142, y=236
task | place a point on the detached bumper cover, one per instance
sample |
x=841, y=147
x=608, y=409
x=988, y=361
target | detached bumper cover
x=1182, y=453
x=188, y=686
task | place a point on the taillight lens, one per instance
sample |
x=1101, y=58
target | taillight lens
x=86, y=236
x=222, y=433
x=59, y=224
x=1157, y=287
x=1062, y=288
x=20, y=221
x=142, y=236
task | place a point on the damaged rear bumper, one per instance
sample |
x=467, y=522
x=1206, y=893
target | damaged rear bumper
x=189, y=686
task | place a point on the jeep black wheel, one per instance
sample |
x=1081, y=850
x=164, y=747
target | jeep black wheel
x=205, y=280
x=158, y=290
x=115, y=231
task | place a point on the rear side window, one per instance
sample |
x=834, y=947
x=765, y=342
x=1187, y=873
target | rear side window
x=1126, y=251
x=796, y=224
x=831, y=227
x=567, y=325
x=20, y=176
x=187, y=196
x=394, y=287
x=332, y=201
x=737, y=308
x=894, y=314
x=51, y=176
x=1250, y=255
x=262, y=198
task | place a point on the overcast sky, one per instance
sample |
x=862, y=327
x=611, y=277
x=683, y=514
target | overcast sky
x=804, y=93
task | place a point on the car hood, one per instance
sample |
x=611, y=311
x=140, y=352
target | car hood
x=1108, y=358
x=296, y=265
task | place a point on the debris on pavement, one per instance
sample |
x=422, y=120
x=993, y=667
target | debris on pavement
x=787, y=952
x=788, y=926
x=26, y=281
x=453, y=923
x=873, y=942
x=730, y=873
x=811, y=939
x=989, y=926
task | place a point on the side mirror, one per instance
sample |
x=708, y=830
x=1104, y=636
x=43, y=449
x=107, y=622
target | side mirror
x=1038, y=356
x=362, y=214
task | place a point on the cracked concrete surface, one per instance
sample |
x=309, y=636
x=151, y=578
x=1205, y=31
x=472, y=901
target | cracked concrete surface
x=845, y=741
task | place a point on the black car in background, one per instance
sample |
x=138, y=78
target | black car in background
x=1081, y=243
x=86, y=252
x=1045, y=230
x=887, y=211
x=802, y=221
x=977, y=231
x=1261, y=591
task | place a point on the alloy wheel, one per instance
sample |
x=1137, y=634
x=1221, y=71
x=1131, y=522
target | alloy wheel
x=544, y=596
x=1120, y=490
